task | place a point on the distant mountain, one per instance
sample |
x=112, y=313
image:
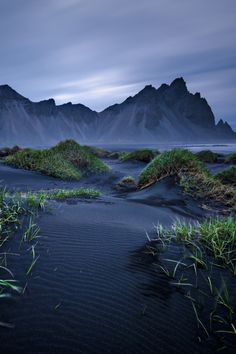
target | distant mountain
x=167, y=114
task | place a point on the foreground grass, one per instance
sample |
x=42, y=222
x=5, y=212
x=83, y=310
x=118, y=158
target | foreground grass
x=20, y=209
x=200, y=262
x=16, y=216
x=67, y=160
x=217, y=235
x=192, y=175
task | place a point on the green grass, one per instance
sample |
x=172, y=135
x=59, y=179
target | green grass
x=199, y=261
x=143, y=155
x=127, y=180
x=117, y=154
x=67, y=160
x=207, y=188
x=207, y=156
x=67, y=193
x=6, y=151
x=16, y=218
x=217, y=235
x=99, y=152
x=10, y=213
x=231, y=158
x=227, y=176
x=193, y=176
x=170, y=163
x=38, y=199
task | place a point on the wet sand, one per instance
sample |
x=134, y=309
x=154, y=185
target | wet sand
x=90, y=291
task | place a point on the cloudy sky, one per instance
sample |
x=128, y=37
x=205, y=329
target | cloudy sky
x=98, y=52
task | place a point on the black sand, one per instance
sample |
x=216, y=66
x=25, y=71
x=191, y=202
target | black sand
x=90, y=291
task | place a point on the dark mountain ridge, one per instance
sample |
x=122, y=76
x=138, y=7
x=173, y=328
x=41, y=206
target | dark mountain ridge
x=167, y=114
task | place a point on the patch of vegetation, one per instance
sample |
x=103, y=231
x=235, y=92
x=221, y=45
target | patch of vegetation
x=99, y=152
x=169, y=163
x=127, y=180
x=217, y=235
x=231, y=158
x=143, y=155
x=207, y=156
x=5, y=151
x=227, y=176
x=117, y=154
x=67, y=160
x=206, y=187
x=39, y=197
x=192, y=175
x=199, y=261
x=15, y=217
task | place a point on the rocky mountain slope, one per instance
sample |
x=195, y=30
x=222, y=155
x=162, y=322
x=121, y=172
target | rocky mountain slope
x=167, y=114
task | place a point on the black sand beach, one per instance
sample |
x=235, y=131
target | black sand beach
x=92, y=290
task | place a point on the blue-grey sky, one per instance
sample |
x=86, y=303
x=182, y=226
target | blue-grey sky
x=98, y=52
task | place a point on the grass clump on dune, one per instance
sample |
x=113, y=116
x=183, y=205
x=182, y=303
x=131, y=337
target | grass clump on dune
x=99, y=152
x=231, y=158
x=6, y=151
x=203, y=186
x=169, y=163
x=67, y=160
x=192, y=175
x=117, y=154
x=127, y=180
x=207, y=156
x=143, y=155
x=227, y=176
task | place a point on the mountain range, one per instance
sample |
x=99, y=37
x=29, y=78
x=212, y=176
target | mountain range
x=168, y=114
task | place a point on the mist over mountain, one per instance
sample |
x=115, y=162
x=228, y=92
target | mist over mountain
x=168, y=114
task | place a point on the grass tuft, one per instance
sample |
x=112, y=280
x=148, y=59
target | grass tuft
x=227, y=176
x=67, y=193
x=170, y=163
x=67, y=160
x=207, y=156
x=143, y=155
x=127, y=180
x=231, y=158
x=193, y=176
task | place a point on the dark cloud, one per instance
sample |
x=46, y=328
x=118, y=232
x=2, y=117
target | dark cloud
x=98, y=52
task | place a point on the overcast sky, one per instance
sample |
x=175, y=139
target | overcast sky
x=98, y=52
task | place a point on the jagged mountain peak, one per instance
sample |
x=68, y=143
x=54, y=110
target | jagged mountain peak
x=224, y=126
x=178, y=82
x=8, y=93
x=50, y=102
x=147, y=91
x=179, y=86
x=170, y=113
